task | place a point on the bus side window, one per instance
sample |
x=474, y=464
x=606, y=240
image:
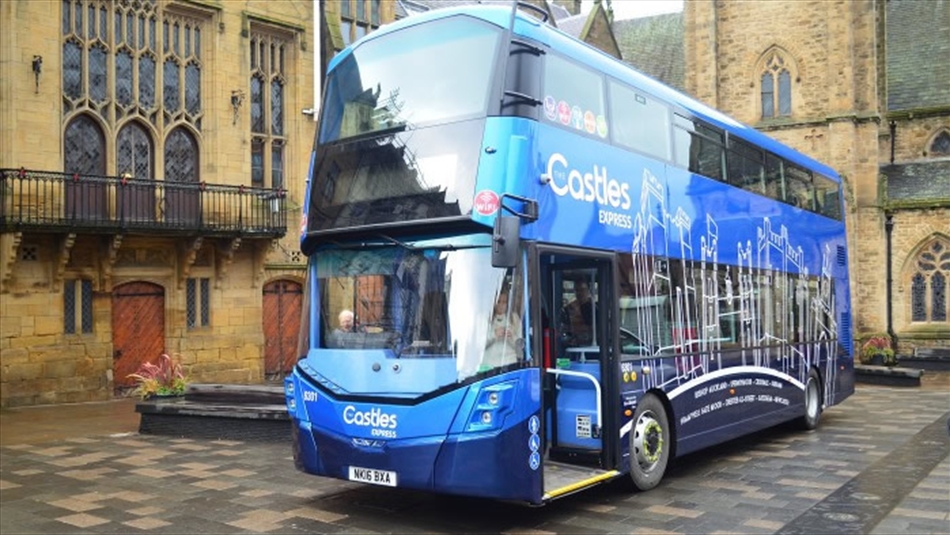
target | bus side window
x=799, y=191
x=773, y=178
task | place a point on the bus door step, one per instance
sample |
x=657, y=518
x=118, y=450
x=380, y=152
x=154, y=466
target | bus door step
x=561, y=479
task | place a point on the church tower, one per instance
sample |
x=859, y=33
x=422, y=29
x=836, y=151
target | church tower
x=814, y=75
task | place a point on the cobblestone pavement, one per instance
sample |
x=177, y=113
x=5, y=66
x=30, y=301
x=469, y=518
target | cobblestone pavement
x=878, y=464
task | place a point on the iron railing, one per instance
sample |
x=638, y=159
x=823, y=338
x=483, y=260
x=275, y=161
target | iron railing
x=54, y=202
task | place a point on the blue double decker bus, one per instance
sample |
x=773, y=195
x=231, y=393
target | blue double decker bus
x=533, y=269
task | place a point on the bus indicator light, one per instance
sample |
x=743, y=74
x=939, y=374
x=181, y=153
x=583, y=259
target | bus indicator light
x=628, y=413
x=493, y=398
x=486, y=418
x=732, y=391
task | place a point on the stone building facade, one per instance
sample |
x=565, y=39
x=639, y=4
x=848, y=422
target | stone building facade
x=154, y=154
x=863, y=86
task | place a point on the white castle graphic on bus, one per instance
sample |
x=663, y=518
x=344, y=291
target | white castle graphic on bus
x=763, y=310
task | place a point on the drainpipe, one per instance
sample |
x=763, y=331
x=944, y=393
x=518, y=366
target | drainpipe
x=893, y=126
x=889, y=229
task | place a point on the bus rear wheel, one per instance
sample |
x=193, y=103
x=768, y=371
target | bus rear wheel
x=812, y=414
x=649, y=443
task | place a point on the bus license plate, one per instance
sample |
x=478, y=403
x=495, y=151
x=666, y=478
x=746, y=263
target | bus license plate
x=374, y=477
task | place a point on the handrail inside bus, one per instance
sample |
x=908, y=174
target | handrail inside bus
x=589, y=377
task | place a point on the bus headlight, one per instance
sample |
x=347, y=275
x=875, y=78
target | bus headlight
x=494, y=402
x=290, y=394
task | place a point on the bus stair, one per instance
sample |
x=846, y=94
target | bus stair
x=561, y=479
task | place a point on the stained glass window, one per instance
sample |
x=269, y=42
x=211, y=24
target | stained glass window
x=123, y=78
x=277, y=107
x=72, y=293
x=97, y=73
x=784, y=93
x=69, y=306
x=86, y=306
x=134, y=152
x=191, y=305
x=181, y=156
x=92, y=22
x=197, y=306
x=930, y=282
x=257, y=104
x=84, y=147
x=117, y=76
x=277, y=165
x=918, y=298
x=72, y=69
x=267, y=93
x=938, y=299
x=776, y=87
x=171, y=87
x=147, y=82
x=192, y=89
x=257, y=162
x=77, y=13
x=205, y=301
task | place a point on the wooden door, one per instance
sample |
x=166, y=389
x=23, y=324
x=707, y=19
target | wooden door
x=138, y=328
x=281, y=317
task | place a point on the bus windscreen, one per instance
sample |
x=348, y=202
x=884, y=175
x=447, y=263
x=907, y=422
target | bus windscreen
x=420, y=302
x=438, y=73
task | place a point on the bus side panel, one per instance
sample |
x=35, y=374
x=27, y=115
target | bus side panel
x=503, y=462
x=732, y=402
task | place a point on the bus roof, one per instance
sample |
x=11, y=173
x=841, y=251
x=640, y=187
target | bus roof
x=564, y=43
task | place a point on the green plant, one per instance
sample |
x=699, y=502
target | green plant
x=878, y=344
x=165, y=378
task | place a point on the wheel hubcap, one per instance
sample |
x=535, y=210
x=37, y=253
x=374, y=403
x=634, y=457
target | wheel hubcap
x=647, y=441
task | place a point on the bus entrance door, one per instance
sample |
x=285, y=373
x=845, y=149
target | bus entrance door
x=577, y=292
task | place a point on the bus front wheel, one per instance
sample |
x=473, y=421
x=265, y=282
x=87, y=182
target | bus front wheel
x=812, y=414
x=649, y=443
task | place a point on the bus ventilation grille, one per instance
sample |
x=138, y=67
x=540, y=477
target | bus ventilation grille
x=842, y=256
x=846, y=332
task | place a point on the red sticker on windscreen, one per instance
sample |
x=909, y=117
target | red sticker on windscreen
x=487, y=202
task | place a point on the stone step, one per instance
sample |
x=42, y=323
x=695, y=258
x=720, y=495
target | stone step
x=887, y=375
x=235, y=394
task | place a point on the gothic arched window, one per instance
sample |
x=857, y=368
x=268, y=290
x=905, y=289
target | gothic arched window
x=929, y=283
x=268, y=93
x=134, y=152
x=181, y=156
x=776, y=87
x=84, y=147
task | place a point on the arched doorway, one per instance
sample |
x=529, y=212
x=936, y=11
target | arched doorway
x=281, y=323
x=138, y=329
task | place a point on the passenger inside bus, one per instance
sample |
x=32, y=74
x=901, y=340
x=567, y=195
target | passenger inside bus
x=577, y=317
x=347, y=322
x=505, y=342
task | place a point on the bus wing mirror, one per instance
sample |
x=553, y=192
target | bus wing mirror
x=506, y=241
